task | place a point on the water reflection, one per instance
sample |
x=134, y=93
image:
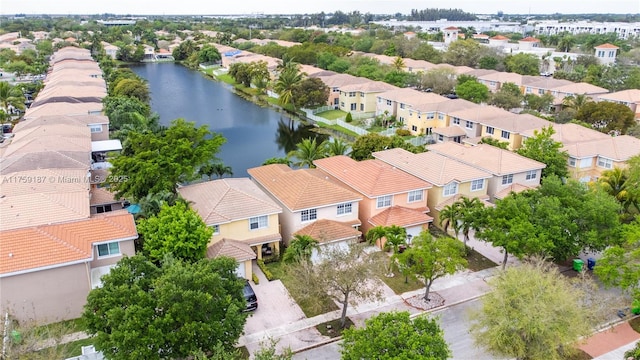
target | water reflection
x=290, y=133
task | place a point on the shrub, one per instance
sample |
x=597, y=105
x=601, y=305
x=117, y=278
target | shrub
x=264, y=269
x=255, y=279
x=349, y=118
x=403, y=132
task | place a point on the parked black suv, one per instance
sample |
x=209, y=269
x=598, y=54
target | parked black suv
x=250, y=296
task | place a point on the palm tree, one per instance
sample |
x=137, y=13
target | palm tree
x=300, y=248
x=469, y=211
x=307, y=151
x=219, y=169
x=398, y=63
x=337, y=147
x=396, y=236
x=288, y=78
x=375, y=234
x=10, y=96
x=615, y=182
x=576, y=102
x=450, y=216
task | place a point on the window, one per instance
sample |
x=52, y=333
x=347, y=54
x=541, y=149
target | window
x=531, y=174
x=450, y=189
x=605, y=163
x=401, y=106
x=529, y=90
x=344, y=208
x=431, y=115
x=352, y=94
x=259, y=222
x=379, y=100
x=489, y=130
x=572, y=162
x=361, y=107
x=457, y=139
x=440, y=137
x=540, y=91
x=335, y=101
x=505, y=134
x=354, y=106
x=469, y=125
x=335, y=89
x=308, y=215
x=586, y=163
x=440, y=116
x=414, y=128
x=216, y=229
x=600, y=53
x=109, y=249
x=415, y=195
x=103, y=209
x=456, y=121
x=96, y=128
x=507, y=179
x=388, y=102
x=477, y=184
x=384, y=201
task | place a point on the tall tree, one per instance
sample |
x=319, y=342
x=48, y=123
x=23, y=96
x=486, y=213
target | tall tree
x=174, y=311
x=337, y=147
x=176, y=230
x=150, y=163
x=576, y=102
x=288, y=78
x=216, y=168
x=470, y=211
x=431, y=259
x=310, y=92
x=615, y=183
x=307, y=152
x=508, y=97
x=607, y=116
x=523, y=64
x=533, y=312
x=450, y=217
x=620, y=264
x=541, y=147
x=473, y=91
x=395, y=335
x=10, y=97
x=344, y=274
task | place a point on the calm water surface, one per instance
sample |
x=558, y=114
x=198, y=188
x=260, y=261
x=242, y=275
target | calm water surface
x=253, y=133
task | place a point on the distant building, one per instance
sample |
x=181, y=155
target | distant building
x=606, y=53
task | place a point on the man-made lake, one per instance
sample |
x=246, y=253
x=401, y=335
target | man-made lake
x=253, y=133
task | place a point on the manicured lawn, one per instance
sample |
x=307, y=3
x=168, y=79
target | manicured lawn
x=398, y=285
x=332, y=114
x=332, y=328
x=226, y=78
x=338, y=129
x=477, y=261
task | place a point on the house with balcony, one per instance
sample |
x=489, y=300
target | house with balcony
x=361, y=97
x=506, y=167
x=630, y=98
x=470, y=119
x=48, y=270
x=432, y=112
x=592, y=152
x=390, y=195
x=308, y=196
x=335, y=82
x=510, y=127
x=389, y=102
x=451, y=178
x=243, y=217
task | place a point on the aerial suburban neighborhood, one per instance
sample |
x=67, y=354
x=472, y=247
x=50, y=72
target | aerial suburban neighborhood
x=377, y=183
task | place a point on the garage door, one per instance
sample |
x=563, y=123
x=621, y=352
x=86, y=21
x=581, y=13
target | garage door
x=240, y=270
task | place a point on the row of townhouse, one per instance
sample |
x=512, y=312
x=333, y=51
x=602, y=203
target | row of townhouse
x=59, y=230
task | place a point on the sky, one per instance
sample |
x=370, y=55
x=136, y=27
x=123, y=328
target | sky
x=208, y=7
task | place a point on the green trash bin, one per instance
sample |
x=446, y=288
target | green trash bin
x=578, y=264
x=16, y=336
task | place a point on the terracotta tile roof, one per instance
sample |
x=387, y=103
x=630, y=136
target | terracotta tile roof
x=401, y=216
x=52, y=130
x=606, y=46
x=62, y=109
x=430, y=166
x=479, y=113
x=544, y=82
x=502, y=77
x=580, y=88
x=515, y=123
x=451, y=28
x=515, y=188
x=447, y=106
x=259, y=240
x=73, y=91
x=300, y=189
x=43, y=160
x=101, y=196
x=450, y=131
x=77, y=120
x=410, y=96
x=231, y=248
x=340, y=80
x=529, y=39
x=571, y=133
x=372, y=178
x=631, y=96
x=369, y=86
x=34, y=144
x=478, y=73
x=55, y=245
x=226, y=200
x=618, y=148
x=327, y=231
x=499, y=37
x=488, y=158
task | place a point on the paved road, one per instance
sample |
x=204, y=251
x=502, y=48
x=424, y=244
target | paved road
x=453, y=320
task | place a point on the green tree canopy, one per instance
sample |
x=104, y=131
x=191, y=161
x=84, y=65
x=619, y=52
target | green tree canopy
x=523, y=64
x=607, y=116
x=473, y=91
x=620, y=264
x=208, y=54
x=300, y=248
x=175, y=230
x=147, y=312
x=395, y=335
x=307, y=152
x=533, y=312
x=541, y=147
x=367, y=144
x=150, y=163
x=134, y=88
x=310, y=92
x=508, y=97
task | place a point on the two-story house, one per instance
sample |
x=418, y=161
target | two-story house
x=390, y=195
x=432, y=113
x=335, y=82
x=509, y=127
x=507, y=168
x=311, y=204
x=451, y=178
x=361, y=97
x=470, y=119
x=244, y=219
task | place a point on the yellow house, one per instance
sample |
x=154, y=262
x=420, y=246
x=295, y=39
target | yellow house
x=431, y=113
x=361, y=98
x=244, y=219
x=451, y=178
x=510, y=128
